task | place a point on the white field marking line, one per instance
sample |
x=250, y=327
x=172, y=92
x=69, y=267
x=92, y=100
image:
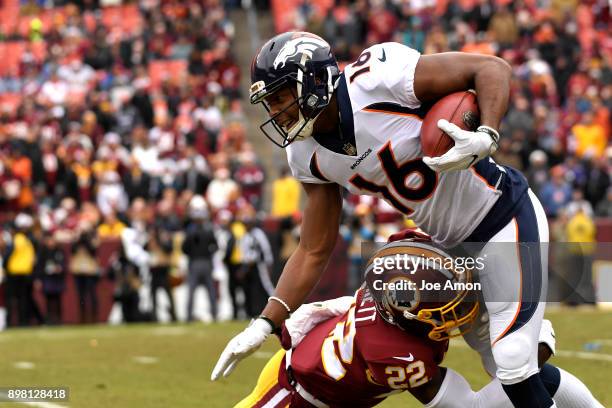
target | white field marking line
x=41, y=404
x=24, y=365
x=263, y=354
x=145, y=359
x=583, y=355
x=169, y=331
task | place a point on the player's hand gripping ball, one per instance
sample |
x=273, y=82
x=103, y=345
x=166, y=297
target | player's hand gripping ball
x=451, y=138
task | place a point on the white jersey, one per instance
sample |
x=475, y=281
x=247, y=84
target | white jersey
x=378, y=151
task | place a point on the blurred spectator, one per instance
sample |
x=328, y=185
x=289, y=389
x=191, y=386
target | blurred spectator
x=581, y=248
x=597, y=180
x=604, y=208
x=111, y=194
x=52, y=268
x=132, y=264
x=210, y=116
x=199, y=245
x=110, y=228
x=221, y=190
x=229, y=235
x=19, y=263
x=160, y=248
x=537, y=172
x=508, y=154
x=54, y=92
x=84, y=267
x=579, y=204
x=250, y=176
x=195, y=173
x=286, y=192
x=359, y=229
x=502, y=25
x=257, y=262
x=136, y=182
x=519, y=116
x=556, y=193
x=590, y=137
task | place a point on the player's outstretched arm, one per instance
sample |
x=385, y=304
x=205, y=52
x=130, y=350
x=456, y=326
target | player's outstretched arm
x=302, y=272
x=318, y=237
x=438, y=75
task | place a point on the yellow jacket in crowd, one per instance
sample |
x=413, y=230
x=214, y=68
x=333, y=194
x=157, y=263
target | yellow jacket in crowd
x=23, y=257
x=285, y=197
x=581, y=228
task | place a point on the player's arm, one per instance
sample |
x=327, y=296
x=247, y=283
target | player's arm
x=303, y=269
x=438, y=75
x=318, y=237
x=441, y=74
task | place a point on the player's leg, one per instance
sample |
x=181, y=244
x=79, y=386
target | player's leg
x=567, y=392
x=513, y=282
x=268, y=392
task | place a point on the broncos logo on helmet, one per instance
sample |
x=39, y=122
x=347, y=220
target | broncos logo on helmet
x=304, y=62
x=302, y=46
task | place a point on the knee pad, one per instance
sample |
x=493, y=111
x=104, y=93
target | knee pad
x=513, y=356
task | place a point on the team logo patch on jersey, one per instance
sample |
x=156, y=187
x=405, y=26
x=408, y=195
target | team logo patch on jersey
x=297, y=46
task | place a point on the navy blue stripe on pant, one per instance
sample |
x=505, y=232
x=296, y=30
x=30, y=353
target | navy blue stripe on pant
x=531, y=265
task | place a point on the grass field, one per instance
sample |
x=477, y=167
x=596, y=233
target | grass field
x=170, y=365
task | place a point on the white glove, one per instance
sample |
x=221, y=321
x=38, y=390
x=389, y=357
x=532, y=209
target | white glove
x=469, y=148
x=309, y=315
x=547, y=335
x=241, y=346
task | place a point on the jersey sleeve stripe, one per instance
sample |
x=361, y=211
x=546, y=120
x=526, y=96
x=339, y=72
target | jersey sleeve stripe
x=397, y=109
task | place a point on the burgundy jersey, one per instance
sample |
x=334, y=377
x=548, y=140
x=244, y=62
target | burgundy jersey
x=357, y=359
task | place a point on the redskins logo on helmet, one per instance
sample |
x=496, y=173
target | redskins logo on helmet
x=414, y=288
x=303, y=62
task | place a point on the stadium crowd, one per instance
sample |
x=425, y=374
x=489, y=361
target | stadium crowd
x=115, y=117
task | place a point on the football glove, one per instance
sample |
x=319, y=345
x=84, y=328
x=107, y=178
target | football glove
x=470, y=147
x=241, y=346
x=309, y=315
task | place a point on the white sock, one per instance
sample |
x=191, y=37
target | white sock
x=572, y=393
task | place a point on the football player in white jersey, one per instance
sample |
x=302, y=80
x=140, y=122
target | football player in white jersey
x=360, y=130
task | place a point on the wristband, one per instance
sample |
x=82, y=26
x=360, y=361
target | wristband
x=282, y=302
x=275, y=330
x=491, y=132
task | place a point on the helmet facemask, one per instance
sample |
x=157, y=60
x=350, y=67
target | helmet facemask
x=436, y=314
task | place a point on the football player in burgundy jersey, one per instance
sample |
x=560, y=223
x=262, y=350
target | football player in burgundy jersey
x=360, y=129
x=357, y=351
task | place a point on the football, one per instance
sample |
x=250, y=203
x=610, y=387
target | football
x=460, y=108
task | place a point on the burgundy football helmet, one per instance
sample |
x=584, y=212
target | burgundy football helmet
x=416, y=286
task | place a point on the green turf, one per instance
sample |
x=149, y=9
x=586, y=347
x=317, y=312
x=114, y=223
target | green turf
x=99, y=363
